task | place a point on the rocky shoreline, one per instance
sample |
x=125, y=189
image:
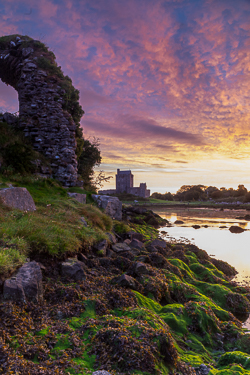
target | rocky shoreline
x=125, y=305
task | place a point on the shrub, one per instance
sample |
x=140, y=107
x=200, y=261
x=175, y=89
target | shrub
x=16, y=151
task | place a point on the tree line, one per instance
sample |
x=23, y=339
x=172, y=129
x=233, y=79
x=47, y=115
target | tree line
x=204, y=193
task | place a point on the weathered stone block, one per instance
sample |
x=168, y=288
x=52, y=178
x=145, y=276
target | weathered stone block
x=124, y=280
x=74, y=269
x=101, y=247
x=25, y=285
x=112, y=205
x=120, y=247
x=112, y=238
x=136, y=244
x=79, y=197
x=140, y=269
x=17, y=197
x=159, y=243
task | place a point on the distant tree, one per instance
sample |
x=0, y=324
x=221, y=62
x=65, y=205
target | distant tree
x=191, y=193
x=166, y=197
x=247, y=197
x=241, y=191
x=183, y=189
x=216, y=194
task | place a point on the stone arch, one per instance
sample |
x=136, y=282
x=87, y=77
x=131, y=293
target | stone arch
x=48, y=103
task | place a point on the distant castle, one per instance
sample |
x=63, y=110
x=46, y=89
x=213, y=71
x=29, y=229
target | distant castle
x=125, y=184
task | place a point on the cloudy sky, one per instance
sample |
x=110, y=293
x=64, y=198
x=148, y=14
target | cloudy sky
x=165, y=85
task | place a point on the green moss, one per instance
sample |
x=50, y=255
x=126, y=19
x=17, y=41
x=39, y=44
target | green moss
x=86, y=364
x=43, y=332
x=203, y=273
x=5, y=40
x=244, y=343
x=235, y=357
x=183, y=267
x=232, y=370
x=148, y=232
x=192, y=359
x=50, y=67
x=120, y=227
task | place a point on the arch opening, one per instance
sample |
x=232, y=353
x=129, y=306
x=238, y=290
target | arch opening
x=8, y=99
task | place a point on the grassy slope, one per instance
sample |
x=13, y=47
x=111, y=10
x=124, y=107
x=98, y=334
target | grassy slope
x=179, y=316
x=54, y=228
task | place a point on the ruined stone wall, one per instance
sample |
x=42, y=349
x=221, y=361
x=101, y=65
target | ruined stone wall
x=41, y=98
x=140, y=191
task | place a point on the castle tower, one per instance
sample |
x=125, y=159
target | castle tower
x=124, y=181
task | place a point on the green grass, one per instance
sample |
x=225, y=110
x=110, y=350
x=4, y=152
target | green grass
x=12, y=254
x=55, y=228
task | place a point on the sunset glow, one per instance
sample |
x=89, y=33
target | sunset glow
x=165, y=85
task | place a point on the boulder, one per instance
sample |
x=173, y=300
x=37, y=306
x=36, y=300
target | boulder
x=112, y=238
x=157, y=260
x=81, y=198
x=101, y=247
x=101, y=372
x=152, y=249
x=152, y=220
x=140, y=268
x=82, y=258
x=202, y=370
x=112, y=206
x=159, y=243
x=196, y=226
x=136, y=236
x=135, y=209
x=179, y=222
x=236, y=229
x=73, y=269
x=127, y=241
x=26, y=285
x=124, y=280
x=120, y=247
x=136, y=244
x=134, y=252
x=17, y=197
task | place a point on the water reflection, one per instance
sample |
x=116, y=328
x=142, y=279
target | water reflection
x=214, y=237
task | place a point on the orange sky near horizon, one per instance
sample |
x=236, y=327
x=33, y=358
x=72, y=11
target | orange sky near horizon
x=165, y=85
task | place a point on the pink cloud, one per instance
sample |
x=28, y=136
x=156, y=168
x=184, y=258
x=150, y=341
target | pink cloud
x=183, y=66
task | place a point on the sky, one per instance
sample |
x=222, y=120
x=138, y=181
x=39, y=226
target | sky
x=165, y=85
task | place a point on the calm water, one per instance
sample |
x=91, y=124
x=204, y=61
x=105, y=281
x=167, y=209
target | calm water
x=218, y=242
